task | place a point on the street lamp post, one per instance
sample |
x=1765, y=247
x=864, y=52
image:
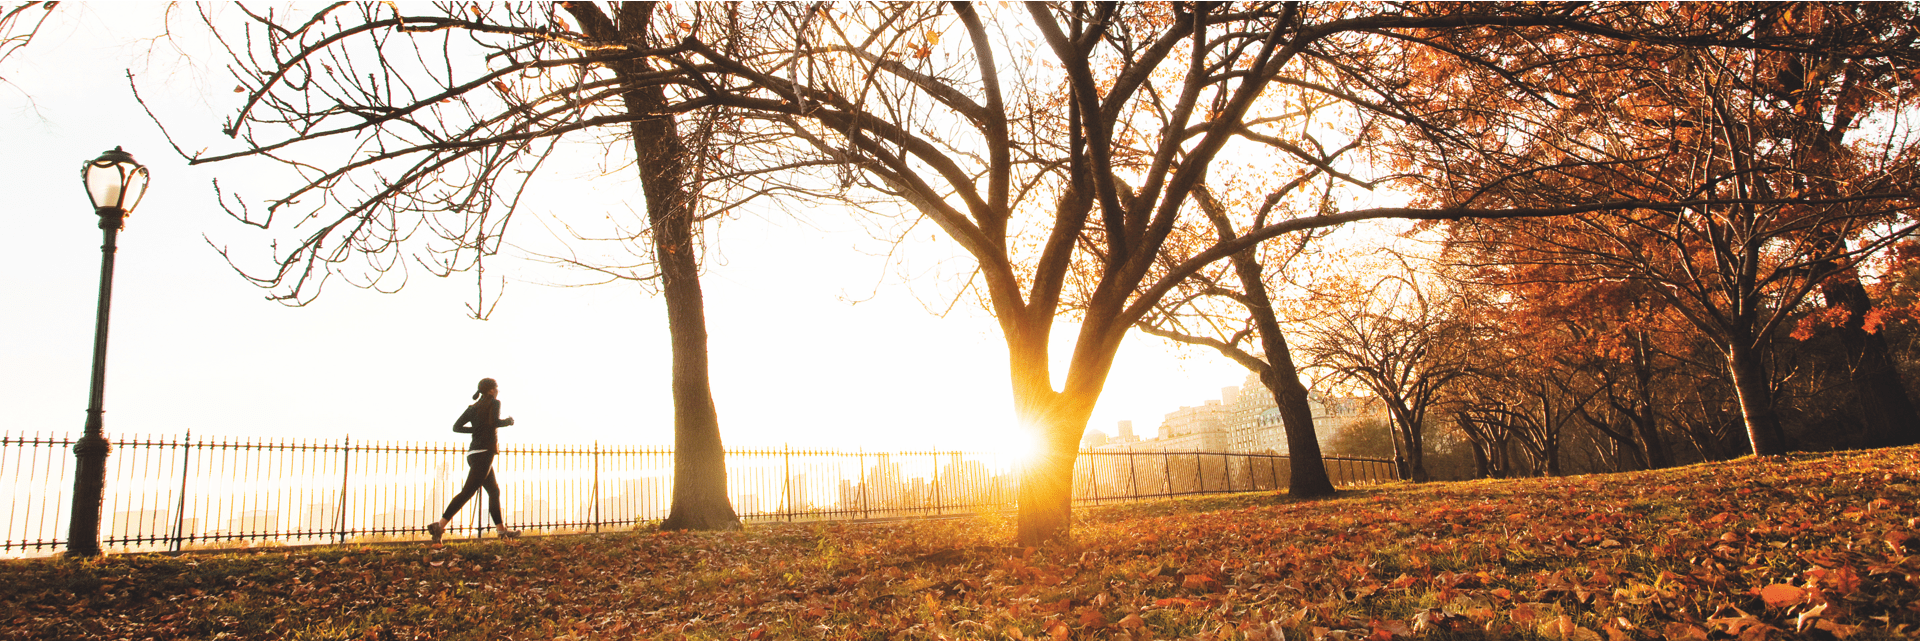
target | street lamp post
x=115, y=182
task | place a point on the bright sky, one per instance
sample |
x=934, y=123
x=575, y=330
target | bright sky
x=195, y=347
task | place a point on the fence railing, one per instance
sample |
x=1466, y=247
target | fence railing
x=170, y=493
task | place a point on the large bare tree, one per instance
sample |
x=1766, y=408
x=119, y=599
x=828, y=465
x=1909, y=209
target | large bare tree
x=417, y=133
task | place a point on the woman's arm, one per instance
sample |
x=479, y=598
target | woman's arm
x=466, y=422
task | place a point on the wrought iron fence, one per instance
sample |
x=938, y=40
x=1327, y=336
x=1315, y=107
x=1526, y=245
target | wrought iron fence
x=170, y=493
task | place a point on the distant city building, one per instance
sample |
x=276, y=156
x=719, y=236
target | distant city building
x=1243, y=420
x=1201, y=428
x=1095, y=439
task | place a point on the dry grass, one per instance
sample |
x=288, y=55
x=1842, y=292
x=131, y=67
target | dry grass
x=1808, y=546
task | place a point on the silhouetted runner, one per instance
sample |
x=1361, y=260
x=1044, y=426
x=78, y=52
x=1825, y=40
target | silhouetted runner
x=480, y=419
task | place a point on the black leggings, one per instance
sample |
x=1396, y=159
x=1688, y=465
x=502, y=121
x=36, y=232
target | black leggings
x=479, y=475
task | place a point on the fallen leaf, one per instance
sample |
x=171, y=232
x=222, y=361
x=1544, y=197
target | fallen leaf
x=1527, y=613
x=1745, y=626
x=1388, y=630
x=1840, y=581
x=1563, y=628
x=1836, y=629
x=1200, y=582
x=1680, y=631
x=1781, y=595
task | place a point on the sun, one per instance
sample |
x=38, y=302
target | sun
x=1021, y=444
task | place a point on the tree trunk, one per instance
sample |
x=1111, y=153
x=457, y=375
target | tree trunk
x=1482, y=463
x=1308, y=471
x=1886, y=413
x=1308, y=477
x=1046, y=481
x=699, y=459
x=1395, y=435
x=1550, y=452
x=1751, y=384
x=1046, y=490
x=1658, y=457
x=1416, y=450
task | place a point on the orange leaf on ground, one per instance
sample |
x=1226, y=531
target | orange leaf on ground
x=1840, y=581
x=1780, y=595
x=1617, y=630
x=1683, y=632
x=1199, y=582
x=1836, y=629
x=1563, y=628
x=1526, y=613
x=1389, y=630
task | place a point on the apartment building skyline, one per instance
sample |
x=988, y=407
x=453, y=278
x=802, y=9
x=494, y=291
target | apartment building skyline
x=1243, y=420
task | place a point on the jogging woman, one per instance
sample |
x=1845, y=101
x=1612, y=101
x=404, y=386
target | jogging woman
x=480, y=419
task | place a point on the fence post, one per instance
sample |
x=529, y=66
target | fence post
x=936, y=482
x=862, y=464
x=1199, y=473
x=180, y=509
x=1166, y=469
x=1133, y=474
x=1225, y=461
x=1093, y=477
x=593, y=511
x=346, y=461
x=786, y=480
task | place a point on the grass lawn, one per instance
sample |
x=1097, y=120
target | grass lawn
x=1805, y=546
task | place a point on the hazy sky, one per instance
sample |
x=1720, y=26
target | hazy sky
x=195, y=347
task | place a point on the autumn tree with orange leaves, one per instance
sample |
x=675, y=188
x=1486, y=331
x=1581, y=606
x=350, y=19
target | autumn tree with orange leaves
x=1060, y=144
x=1782, y=177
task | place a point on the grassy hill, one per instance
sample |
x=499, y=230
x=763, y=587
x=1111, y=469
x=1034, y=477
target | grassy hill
x=1806, y=546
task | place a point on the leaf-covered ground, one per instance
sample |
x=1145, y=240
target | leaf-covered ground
x=1811, y=546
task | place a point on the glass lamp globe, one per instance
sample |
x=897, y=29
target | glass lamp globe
x=115, y=181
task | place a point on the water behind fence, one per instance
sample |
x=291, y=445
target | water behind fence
x=177, y=492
